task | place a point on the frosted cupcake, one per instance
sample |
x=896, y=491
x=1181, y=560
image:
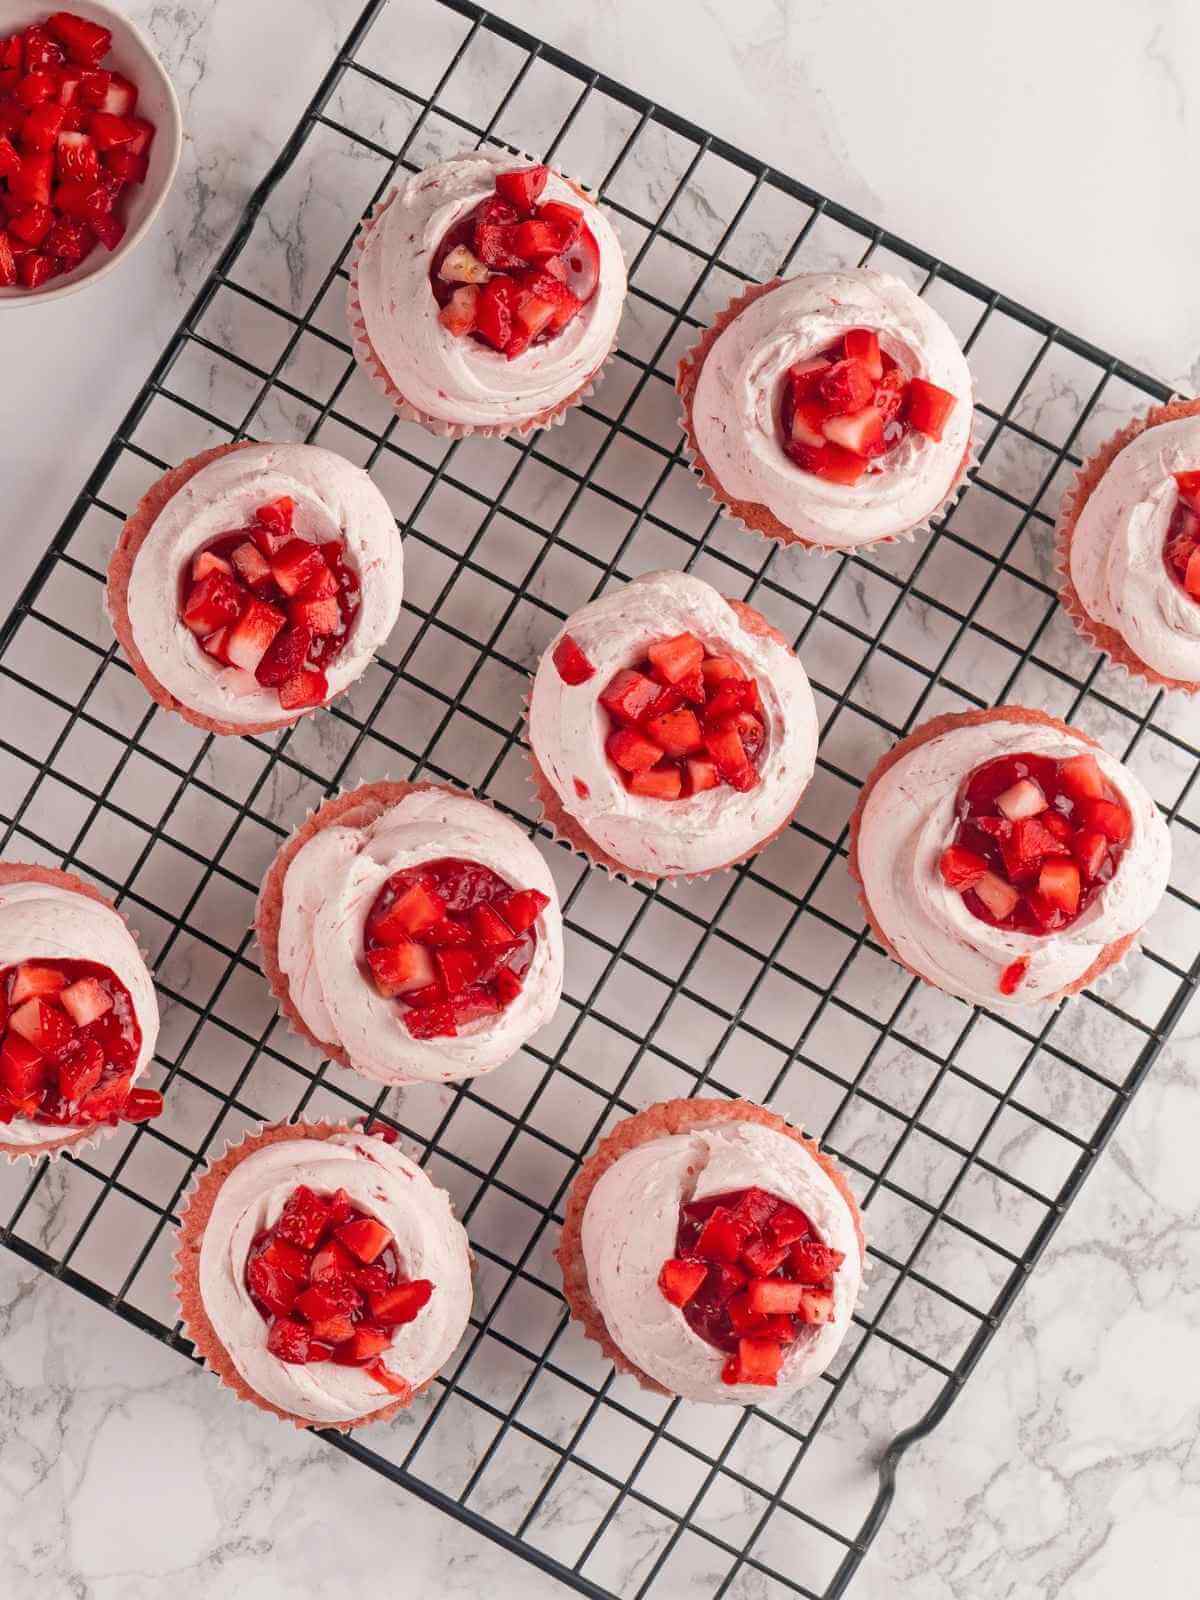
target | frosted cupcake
x=485, y=295
x=831, y=410
x=413, y=933
x=672, y=732
x=321, y=1274
x=254, y=583
x=713, y=1252
x=1006, y=857
x=78, y=1015
x=1129, y=547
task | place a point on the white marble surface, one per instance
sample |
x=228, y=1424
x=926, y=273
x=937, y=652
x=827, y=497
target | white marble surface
x=1044, y=148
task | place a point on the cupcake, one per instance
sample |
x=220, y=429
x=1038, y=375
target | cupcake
x=485, y=295
x=1006, y=857
x=412, y=933
x=255, y=582
x=1129, y=547
x=831, y=410
x=78, y=1016
x=321, y=1274
x=713, y=1252
x=672, y=732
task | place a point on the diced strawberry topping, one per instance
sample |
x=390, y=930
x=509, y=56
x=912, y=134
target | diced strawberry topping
x=69, y=1044
x=1181, y=544
x=573, y=666
x=515, y=271
x=1036, y=840
x=927, y=407
x=748, y=1274
x=274, y=605
x=84, y=41
x=451, y=941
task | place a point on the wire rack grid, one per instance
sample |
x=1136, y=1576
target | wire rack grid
x=967, y=1134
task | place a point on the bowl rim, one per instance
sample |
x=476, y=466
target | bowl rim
x=106, y=264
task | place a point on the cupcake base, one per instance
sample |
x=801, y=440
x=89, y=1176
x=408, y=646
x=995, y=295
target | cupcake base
x=1098, y=634
x=753, y=516
x=371, y=363
x=566, y=829
x=16, y=872
x=196, y=1322
x=658, y=1121
x=1111, y=956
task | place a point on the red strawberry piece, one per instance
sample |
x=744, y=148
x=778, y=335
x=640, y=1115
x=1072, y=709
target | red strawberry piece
x=847, y=387
x=1054, y=822
x=1107, y=817
x=276, y=1290
x=446, y=933
x=804, y=379
x=459, y=313
x=84, y=41
x=490, y=927
x=213, y=603
x=566, y=219
x=320, y=617
x=85, y=1000
x=143, y=137
x=35, y=89
x=69, y=241
x=81, y=200
x=303, y=1219
x=889, y=394
x=252, y=567
x=676, y=658
x=252, y=633
x=677, y=733
x=679, y=1280
x=32, y=185
x=1059, y=882
x=657, y=783
x=632, y=751
x=284, y=657
x=494, y=246
x=35, y=269
x=365, y=1238
x=692, y=687
x=276, y=516
x=1191, y=576
x=460, y=265
x=108, y=230
x=831, y=462
x=769, y=1298
x=862, y=345
x=507, y=985
x=417, y=909
x=109, y=131
x=730, y=697
x=999, y=897
x=1027, y=845
x=722, y=1237
x=961, y=868
x=24, y=1070
x=763, y=1256
x=296, y=565
x=1081, y=777
x=80, y=1070
x=43, y=1025
x=522, y=187
x=31, y=979
x=333, y=1330
x=816, y=1306
x=42, y=53
x=10, y=161
x=927, y=407
x=860, y=431
x=42, y=127
x=728, y=752
x=700, y=774
x=333, y=1263
x=472, y=1004
x=534, y=312
x=573, y=666
x=1023, y=799
x=400, y=1304
x=1188, y=485
x=808, y=423
x=365, y=1346
x=213, y=644
x=304, y=689
x=757, y=1361
x=456, y=968
x=787, y=1224
x=399, y=968
x=494, y=312
x=208, y=561
x=8, y=261
x=536, y=240
x=522, y=910
x=288, y=1340
x=141, y=1105
x=1090, y=849
x=725, y=1279
x=810, y=1261
x=94, y=84
x=582, y=262
x=1013, y=975
x=76, y=160
x=120, y=97
x=321, y=1301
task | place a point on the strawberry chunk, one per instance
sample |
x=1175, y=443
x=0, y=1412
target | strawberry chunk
x=700, y=774
x=213, y=603
x=284, y=657
x=307, y=688
x=1024, y=799
x=846, y=387
x=679, y=1280
x=676, y=658
x=723, y=1236
x=84, y=41
x=85, y=1000
x=1090, y=849
x=40, y=1023
x=252, y=633
x=395, y=1307
x=1106, y=817
x=999, y=897
x=252, y=567
x=1082, y=778
x=859, y=431
x=290, y=1341
x=80, y=1070
x=812, y=1262
x=304, y=1218
x=1013, y=975
x=400, y=968
x=365, y=1238
x=42, y=127
x=862, y=345
x=8, y=262
x=831, y=462
x=927, y=407
x=495, y=310
x=632, y=751
x=522, y=910
x=757, y=1361
x=277, y=516
x=458, y=316
x=522, y=187
x=32, y=979
x=816, y=1306
x=573, y=666
x=772, y=1297
x=676, y=734
x=321, y=617
x=31, y=185
x=1188, y=485
x=657, y=783
x=961, y=868
x=296, y=564
x=24, y=1070
x=629, y=696
x=415, y=911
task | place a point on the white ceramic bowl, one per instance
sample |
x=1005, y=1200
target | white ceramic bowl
x=131, y=55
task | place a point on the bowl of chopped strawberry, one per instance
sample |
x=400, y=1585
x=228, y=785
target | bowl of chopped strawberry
x=90, y=135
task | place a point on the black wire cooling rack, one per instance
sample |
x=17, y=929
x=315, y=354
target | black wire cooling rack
x=967, y=1134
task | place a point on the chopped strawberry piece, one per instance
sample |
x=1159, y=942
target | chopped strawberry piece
x=364, y=1347
x=24, y=1070
x=8, y=262
x=862, y=345
x=252, y=566
x=732, y=696
x=1027, y=843
x=32, y=184
x=456, y=968
x=573, y=666
x=34, y=89
x=787, y=1224
x=142, y=1105
x=119, y=98
x=289, y=1341
x=321, y=617
x=757, y=1361
x=333, y=1263
x=85, y=1000
x=42, y=127
x=700, y=774
x=816, y=1306
x=490, y=927
x=395, y=1307
x=763, y=1256
x=252, y=633
x=1013, y=975
x=416, y=910
x=859, y=431
x=657, y=783
x=80, y=1070
x=69, y=242
x=522, y=910
x=1090, y=849
x=831, y=462
x=365, y=1238
x=10, y=161
x=632, y=751
x=804, y=378
x=1059, y=883
x=1082, y=778
x=846, y=387
x=35, y=269
x=1188, y=485
x=84, y=41
x=679, y=1280
x=32, y=979
x=276, y=516
x=728, y=752
x=629, y=696
x=1106, y=817
x=961, y=868
x=1023, y=800
x=207, y=561
x=213, y=603
x=307, y=688
x=431, y=1022
x=808, y=424
x=494, y=311
x=927, y=407
x=109, y=131
x=458, y=315
x=999, y=897
x=769, y=1297
x=284, y=657
x=889, y=395
x=463, y=266
x=676, y=658
x=296, y=565
x=275, y=1290
x=723, y=1236
x=522, y=187
x=43, y=1025
x=812, y=1262
x=400, y=968
x=1191, y=577
x=677, y=733
x=304, y=1218
x=76, y=160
